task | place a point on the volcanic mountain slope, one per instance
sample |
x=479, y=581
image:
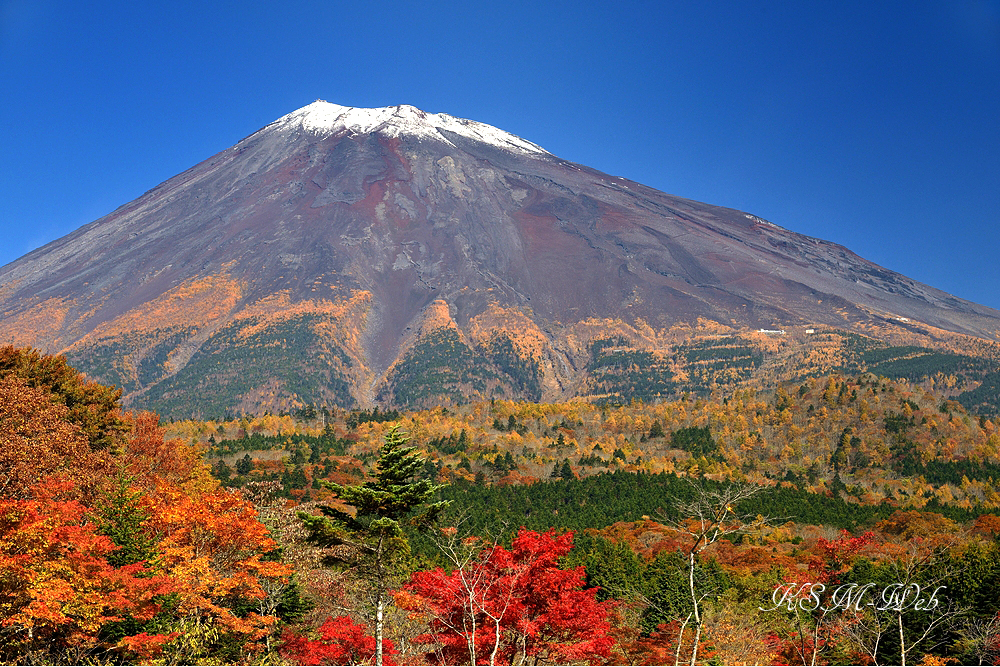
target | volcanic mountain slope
x=344, y=256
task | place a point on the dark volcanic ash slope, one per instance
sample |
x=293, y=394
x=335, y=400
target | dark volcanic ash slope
x=314, y=259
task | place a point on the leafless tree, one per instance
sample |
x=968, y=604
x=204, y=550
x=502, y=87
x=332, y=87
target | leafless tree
x=914, y=606
x=866, y=629
x=982, y=638
x=710, y=515
x=486, y=598
x=812, y=635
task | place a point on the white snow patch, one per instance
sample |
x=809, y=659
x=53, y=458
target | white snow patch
x=325, y=119
x=761, y=220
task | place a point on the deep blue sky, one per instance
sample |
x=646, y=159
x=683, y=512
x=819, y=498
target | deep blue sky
x=872, y=124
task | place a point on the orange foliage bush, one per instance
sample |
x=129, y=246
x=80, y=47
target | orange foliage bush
x=56, y=585
x=72, y=467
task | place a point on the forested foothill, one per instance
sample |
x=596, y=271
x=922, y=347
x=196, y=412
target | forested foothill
x=714, y=528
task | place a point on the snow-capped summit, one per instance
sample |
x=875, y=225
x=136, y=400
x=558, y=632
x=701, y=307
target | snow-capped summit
x=324, y=118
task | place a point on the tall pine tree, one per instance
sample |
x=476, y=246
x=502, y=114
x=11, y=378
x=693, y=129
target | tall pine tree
x=376, y=547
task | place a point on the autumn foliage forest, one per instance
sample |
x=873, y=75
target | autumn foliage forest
x=743, y=527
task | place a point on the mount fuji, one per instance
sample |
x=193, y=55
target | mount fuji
x=347, y=256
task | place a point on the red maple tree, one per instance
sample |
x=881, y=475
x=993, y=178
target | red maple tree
x=508, y=604
x=341, y=642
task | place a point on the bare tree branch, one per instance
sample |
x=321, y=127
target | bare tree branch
x=711, y=515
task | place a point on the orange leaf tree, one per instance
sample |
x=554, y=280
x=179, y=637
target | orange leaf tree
x=57, y=589
x=213, y=545
x=113, y=538
x=39, y=439
x=92, y=407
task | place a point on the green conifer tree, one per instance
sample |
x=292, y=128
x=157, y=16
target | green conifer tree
x=121, y=517
x=376, y=546
x=244, y=465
